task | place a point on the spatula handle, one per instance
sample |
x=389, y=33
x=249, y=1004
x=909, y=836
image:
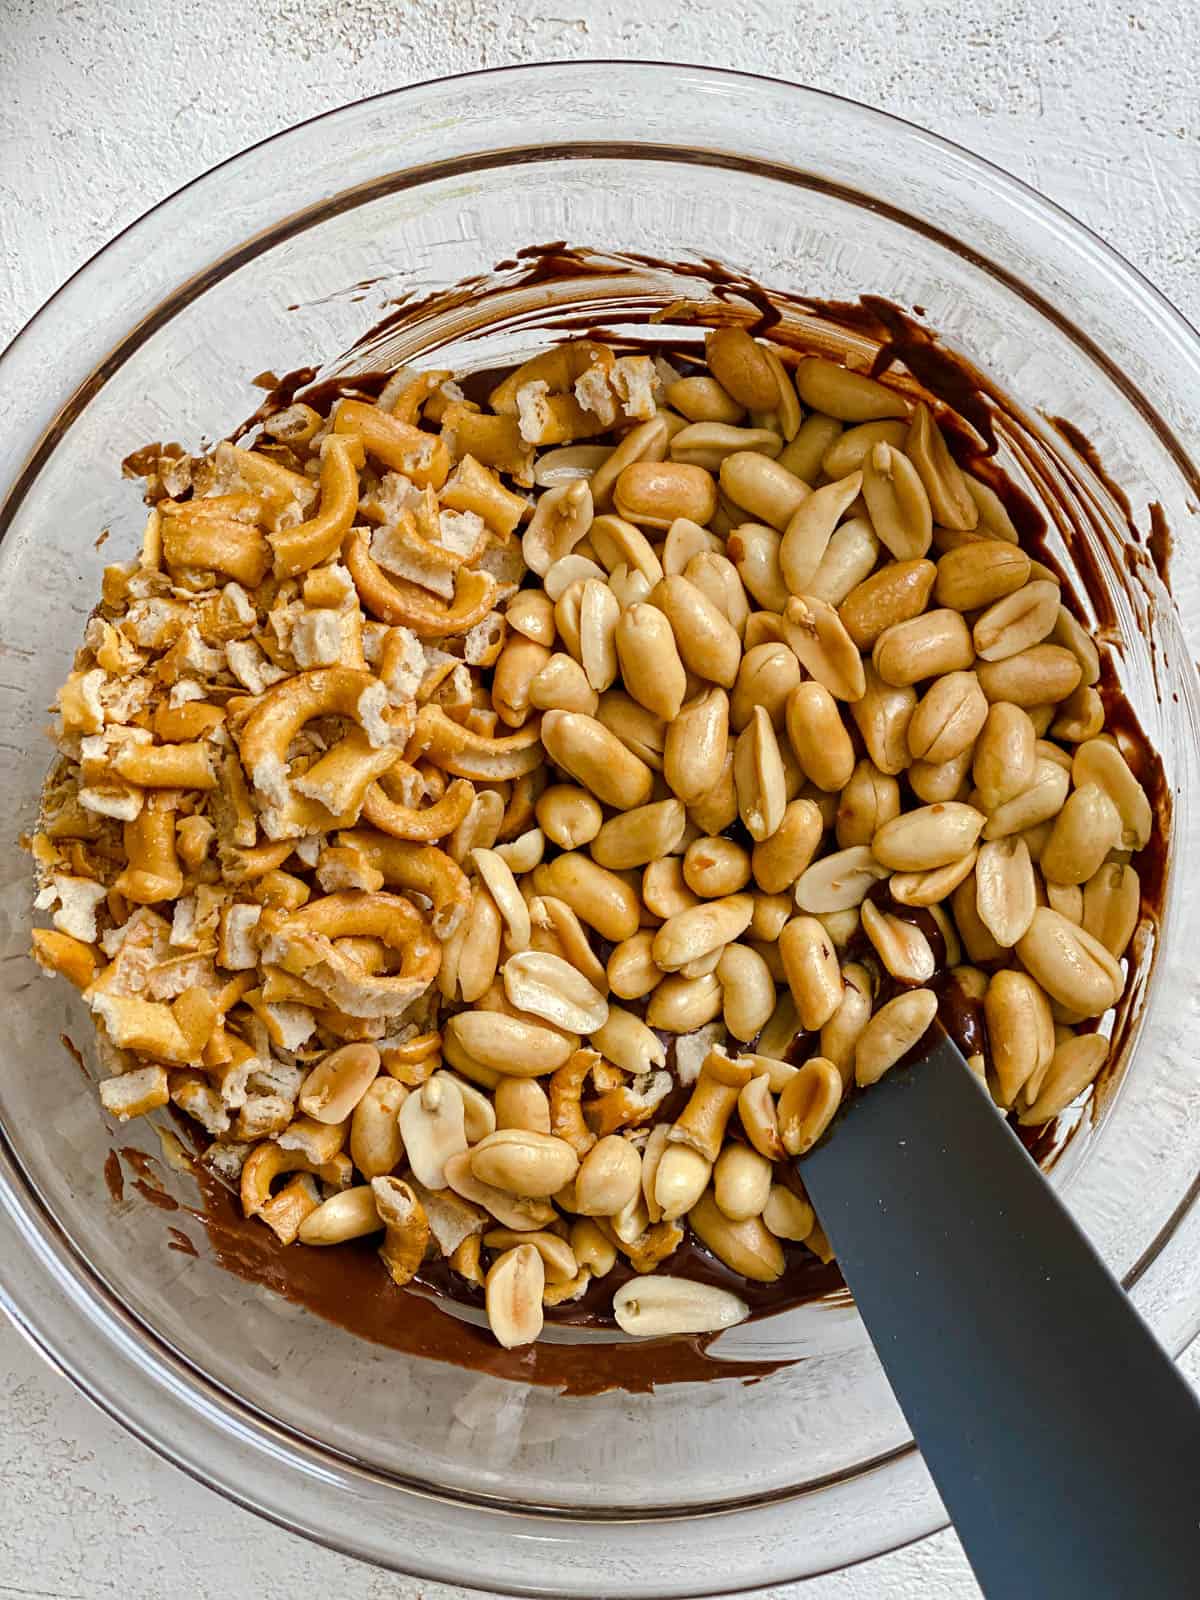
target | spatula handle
x=1062, y=1439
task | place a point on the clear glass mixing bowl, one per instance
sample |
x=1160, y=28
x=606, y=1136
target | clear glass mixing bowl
x=285, y=256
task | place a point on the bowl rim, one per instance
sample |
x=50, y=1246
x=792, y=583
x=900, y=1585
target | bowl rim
x=74, y=1366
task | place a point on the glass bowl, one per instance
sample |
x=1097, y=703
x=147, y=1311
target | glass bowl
x=285, y=256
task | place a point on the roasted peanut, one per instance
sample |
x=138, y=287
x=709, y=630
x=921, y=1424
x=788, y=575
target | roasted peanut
x=658, y=1306
x=1071, y=965
x=376, y=1144
x=541, y=984
x=531, y=614
x=1076, y=1064
x=808, y=1105
x=1100, y=762
x=520, y=662
x=522, y=1162
x=848, y=450
x=639, y=730
x=433, y=1127
x=513, y=1296
x=609, y=1178
x=805, y=452
x=1020, y=1031
x=513, y=1046
x=741, y=368
x=599, y=612
x=754, y=550
x=708, y=642
x=636, y=837
x=618, y=543
x=767, y=490
x=882, y=716
x=1016, y=622
x=598, y=897
x=768, y=674
x=747, y=990
x=779, y=860
x=815, y=633
x=826, y=386
x=717, y=809
x=522, y=1103
x=650, y=664
x=1080, y=716
x=891, y=1033
x=786, y=1215
x=681, y=1005
x=692, y=934
x=976, y=575
x=928, y=837
x=1043, y=674
x=897, y=501
x=926, y=647
x=813, y=974
x=869, y=799
x=596, y=758
x=1005, y=755
x=945, y=484
x=570, y=817
x=818, y=736
x=747, y=1247
x=681, y=1179
x=717, y=577
x=664, y=888
x=902, y=948
x=1070, y=632
x=741, y=1182
x=1005, y=890
x=896, y=593
x=632, y=972
x=715, y=867
x=810, y=528
x=695, y=745
x=336, y=1085
x=1063, y=897
x=839, y=881
x=1111, y=904
x=348, y=1215
x=948, y=719
x=758, y=777
x=840, y=1034
x=850, y=556
x=937, y=782
x=592, y=1248
x=993, y=515
x=702, y=399
x=1084, y=831
x=655, y=493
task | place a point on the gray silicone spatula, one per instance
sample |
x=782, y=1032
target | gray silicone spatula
x=1064, y=1442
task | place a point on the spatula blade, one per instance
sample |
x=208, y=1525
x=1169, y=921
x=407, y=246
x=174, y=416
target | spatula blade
x=1063, y=1440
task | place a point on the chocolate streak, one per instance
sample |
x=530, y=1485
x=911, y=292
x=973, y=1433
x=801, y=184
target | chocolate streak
x=348, y=1286
x=1054, y=517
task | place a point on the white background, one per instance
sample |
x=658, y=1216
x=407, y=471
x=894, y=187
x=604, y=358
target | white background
x=108, y=105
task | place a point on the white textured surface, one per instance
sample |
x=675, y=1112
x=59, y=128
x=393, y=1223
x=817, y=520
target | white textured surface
x=107, y=105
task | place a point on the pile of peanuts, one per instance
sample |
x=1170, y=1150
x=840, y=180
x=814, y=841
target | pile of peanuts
x=511, y=829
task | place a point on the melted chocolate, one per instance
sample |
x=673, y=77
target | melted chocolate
x=349, y=1286
x=75, y=1054
x=961, y=1015
x=1160, y=543
x=114, y=1178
